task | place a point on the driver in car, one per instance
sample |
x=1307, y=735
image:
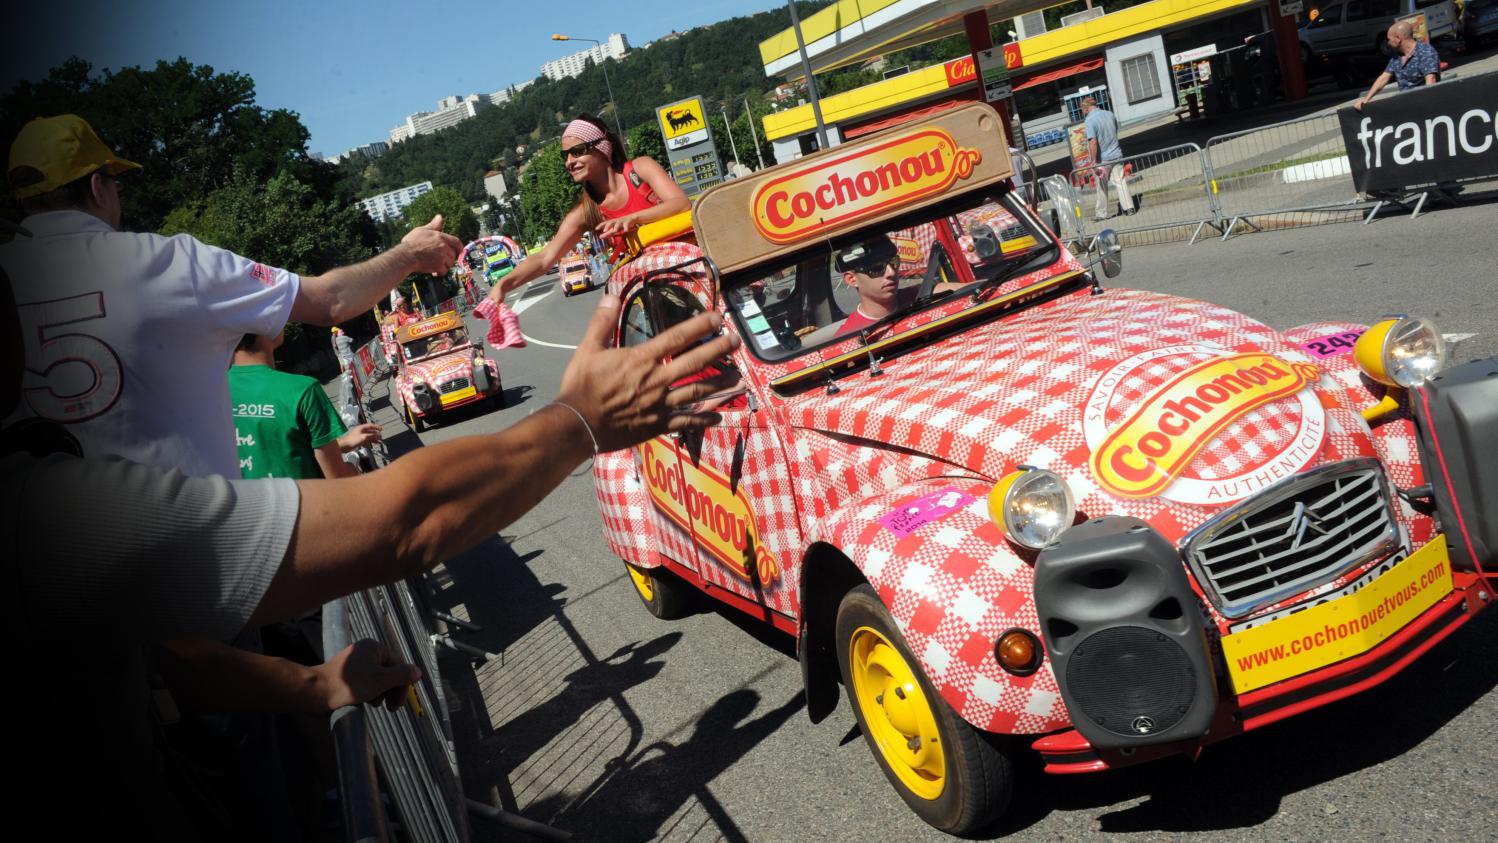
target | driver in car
x=872, y=268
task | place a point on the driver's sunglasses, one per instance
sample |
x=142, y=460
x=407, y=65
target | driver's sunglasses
x=877, y=266
x=578, y=151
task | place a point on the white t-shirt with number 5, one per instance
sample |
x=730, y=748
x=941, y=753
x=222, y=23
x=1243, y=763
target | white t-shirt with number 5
x=129, y=336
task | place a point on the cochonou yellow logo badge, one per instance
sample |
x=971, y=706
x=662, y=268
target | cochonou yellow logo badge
x=1145, y=452
x=697, y=499
x=435, y=325
x=841, y=189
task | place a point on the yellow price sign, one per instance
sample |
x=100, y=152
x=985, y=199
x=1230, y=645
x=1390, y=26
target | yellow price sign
x=681, y=118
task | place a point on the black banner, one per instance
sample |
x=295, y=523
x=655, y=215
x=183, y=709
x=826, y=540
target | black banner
x=1438, y=133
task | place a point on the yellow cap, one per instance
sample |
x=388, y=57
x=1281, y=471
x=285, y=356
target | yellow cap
x=52, y=151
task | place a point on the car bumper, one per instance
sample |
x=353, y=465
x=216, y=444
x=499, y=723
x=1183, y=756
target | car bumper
x=1069, y=752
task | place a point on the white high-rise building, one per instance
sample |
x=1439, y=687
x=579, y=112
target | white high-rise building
x=505, y=94
x=450, y=112
x=389, y=205
x=567, y=66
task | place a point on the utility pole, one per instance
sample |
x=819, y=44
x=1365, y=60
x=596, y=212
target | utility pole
x=728, y=125
x=749, y=113
x=811, y=81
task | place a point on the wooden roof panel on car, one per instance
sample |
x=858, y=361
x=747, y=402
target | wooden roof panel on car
x=821, y=196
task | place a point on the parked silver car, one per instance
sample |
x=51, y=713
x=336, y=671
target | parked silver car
x=1355, y=27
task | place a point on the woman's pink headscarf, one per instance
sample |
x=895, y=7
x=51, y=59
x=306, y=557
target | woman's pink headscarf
x=589, y=133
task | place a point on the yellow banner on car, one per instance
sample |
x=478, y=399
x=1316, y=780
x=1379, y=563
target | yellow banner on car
x=701, y=500
x=1342, y=628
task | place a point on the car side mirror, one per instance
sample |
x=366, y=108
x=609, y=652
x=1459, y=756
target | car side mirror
x=1110, y=253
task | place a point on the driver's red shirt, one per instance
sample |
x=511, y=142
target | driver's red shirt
x=858, y=320
x=403, y=319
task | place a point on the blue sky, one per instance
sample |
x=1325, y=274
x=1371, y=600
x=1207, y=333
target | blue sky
x=351, y=70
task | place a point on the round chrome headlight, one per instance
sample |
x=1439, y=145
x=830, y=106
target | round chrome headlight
x=1033, y=506
x=1405, y=351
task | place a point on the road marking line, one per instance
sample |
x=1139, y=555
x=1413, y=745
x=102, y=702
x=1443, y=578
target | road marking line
x=531, y=339
x=526, y=304
x=1456, y=338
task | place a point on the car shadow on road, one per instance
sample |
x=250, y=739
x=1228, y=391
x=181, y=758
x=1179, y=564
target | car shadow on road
x=646, y=790
x=1242, y=782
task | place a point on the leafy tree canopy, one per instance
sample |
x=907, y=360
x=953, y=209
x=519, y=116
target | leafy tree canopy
x=190, y=127
x=547, y=193
x=458, y=218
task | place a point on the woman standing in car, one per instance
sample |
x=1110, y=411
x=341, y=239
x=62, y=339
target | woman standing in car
x=618, y=196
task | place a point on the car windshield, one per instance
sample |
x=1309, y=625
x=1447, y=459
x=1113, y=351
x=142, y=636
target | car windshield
x=862, y=283
x=435, y=344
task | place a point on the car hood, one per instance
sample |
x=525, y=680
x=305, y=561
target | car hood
x=1150, y=405
x=435, y=370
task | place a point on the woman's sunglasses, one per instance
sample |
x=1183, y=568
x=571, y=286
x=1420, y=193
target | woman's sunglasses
x=578, y=151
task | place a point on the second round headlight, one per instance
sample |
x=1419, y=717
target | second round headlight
x=1033, y=506
x=1405, y=351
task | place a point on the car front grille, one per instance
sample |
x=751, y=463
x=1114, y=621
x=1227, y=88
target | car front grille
x=453, y=385
x=1293, y=536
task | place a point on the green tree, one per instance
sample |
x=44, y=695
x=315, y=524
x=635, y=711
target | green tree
x=190, y=127
x=645, y=139
x=458, y=218
x=547, y=193
x=281, y=222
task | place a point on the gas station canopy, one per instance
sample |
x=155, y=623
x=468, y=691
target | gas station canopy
x=850, y=31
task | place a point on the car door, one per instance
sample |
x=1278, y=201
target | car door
x=658, y=460
x=733, y=479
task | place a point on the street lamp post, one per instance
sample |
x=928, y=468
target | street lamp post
x=603, y=64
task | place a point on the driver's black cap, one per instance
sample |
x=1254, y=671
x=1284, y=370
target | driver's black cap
x=874, y=252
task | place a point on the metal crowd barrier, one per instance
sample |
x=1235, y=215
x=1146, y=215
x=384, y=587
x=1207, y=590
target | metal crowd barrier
x=1169, y=191
x=410, y=751
x=1283, y=175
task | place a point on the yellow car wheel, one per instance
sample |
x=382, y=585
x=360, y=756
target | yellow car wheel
x=949, y=773
x=663, y=594
x=414, y=421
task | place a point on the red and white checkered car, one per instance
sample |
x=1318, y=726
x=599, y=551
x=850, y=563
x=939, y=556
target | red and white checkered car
x=438, y=368
x=1011, y=509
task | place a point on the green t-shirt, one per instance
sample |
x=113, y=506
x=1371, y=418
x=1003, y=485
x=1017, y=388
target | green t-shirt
x=280, y=420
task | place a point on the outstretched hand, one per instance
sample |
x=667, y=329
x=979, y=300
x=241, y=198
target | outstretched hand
x=617, y=226
x=360, y=435
x=431, y=251
x=626, y=394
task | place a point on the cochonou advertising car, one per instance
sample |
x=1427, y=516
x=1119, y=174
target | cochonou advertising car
x=1012, y=509
x=438, y=369
x=577, y=276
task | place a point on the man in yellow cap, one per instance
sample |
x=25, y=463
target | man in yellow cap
x=129, y=335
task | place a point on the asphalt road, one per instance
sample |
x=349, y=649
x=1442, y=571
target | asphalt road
x=602, y=720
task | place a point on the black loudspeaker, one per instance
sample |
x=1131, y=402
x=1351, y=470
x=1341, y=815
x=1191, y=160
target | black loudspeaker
x=1125, y=635
x=1456, y=421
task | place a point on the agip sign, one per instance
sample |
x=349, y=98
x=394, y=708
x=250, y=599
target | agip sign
x=693, y=156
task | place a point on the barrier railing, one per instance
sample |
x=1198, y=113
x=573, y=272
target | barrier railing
x=1283, y=175
x=1167, y=190
x=409, y=751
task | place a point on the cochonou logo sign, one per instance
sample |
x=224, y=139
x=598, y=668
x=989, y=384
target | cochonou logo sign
x=1192, y=400
x=836, y=191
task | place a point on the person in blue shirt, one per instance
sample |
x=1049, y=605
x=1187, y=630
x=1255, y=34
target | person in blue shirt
x=1414, y=63
x=1102, y=141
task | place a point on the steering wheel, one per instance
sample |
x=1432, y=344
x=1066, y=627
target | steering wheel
x=933, y=272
